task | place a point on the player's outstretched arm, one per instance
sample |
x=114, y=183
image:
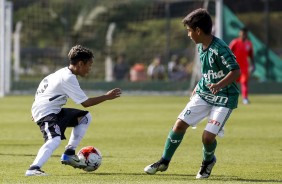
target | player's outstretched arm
x=112, y=94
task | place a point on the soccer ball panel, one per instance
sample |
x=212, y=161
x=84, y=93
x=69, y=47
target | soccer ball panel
x=92, y=158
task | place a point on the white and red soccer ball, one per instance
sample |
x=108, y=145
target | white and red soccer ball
x=91, y=156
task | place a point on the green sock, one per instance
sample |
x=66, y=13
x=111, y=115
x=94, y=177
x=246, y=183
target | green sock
x=171, y=144
x=208, y=151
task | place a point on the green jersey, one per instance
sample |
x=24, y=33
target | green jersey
x=217, y=61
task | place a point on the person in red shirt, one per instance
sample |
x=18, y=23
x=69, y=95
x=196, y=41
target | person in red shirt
x=243, y=50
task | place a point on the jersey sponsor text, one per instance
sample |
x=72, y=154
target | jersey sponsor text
x=214, y=122
x=213, y=99
x=213, y=75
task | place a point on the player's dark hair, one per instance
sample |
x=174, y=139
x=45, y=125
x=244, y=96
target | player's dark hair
x=244, y=29
x=79, y=53
x=199, y=18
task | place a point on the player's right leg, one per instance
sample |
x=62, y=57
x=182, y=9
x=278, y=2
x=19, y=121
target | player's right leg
x=161, y=165
x=194, y=112
x=35, y=171
x=43, y=155
x=174, y=139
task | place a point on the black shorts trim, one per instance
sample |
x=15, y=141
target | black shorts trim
x=54, y=125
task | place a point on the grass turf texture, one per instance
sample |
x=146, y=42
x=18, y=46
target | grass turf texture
x=131, y=131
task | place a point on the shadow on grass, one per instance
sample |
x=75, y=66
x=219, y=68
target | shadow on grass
x=262, y=181
x=190, y=177
x=175, y=176
x=25, y=155
x=236, y=178
x=143, y=174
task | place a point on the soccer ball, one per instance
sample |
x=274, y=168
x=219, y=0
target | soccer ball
x=91, y=156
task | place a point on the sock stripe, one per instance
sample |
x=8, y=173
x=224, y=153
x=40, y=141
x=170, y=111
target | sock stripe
x=46, y=129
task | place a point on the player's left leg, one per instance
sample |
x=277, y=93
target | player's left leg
x=209, y=159
x=69, y=157
x=216, y=122
x=79, y=131
x=244, y=87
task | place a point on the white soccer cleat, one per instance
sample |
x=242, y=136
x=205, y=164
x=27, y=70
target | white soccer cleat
x=155, y=167
x=35, y=172
x=246, y=101
x=206, y=168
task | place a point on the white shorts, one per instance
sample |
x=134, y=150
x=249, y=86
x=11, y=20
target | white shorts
x=198, y=109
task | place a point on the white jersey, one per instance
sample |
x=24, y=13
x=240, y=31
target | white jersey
x=53, y=92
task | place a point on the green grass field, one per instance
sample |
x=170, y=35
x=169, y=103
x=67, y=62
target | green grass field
x=131, y=131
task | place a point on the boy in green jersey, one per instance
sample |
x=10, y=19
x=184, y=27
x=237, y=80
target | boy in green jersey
x=214, y=97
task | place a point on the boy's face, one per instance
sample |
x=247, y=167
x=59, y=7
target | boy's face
x=243, y=35
x=84, y=68
x=193, y=34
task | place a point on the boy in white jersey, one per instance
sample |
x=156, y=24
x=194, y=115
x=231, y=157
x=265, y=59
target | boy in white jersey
x=214, y=97
x=47, y=111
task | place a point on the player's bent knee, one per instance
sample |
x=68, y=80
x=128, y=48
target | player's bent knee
x=85, y=119
x=89, y=118
x=180, y=126
x=208, y=137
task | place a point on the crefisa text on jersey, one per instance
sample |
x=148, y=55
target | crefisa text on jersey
x=213, y=75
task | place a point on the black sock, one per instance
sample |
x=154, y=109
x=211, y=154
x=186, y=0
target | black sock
x=164, y=161
x=70, y=152
x=34, y=167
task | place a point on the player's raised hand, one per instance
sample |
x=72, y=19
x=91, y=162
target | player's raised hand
x=114, y=93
